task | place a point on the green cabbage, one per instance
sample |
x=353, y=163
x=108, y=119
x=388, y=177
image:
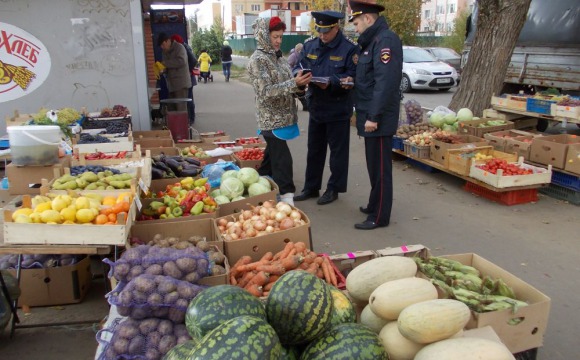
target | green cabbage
x=248, y=176
x=229, y=174
x=215, y=193
x=262, y=180
x=449, y=119
x=257, y=189
x=436, y=120
x=464, y=115
x=232, y=188
x=221, y=199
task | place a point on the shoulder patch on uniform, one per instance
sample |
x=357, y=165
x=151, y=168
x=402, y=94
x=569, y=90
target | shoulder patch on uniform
x=335, y=58
x=310, y=39
x=385, y=55
x=312, y=56
x=351, y=41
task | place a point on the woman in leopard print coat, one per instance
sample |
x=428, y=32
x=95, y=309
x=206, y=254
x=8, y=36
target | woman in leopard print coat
x=276, y=110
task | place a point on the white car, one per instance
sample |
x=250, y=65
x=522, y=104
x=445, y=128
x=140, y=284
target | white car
x=421, y=70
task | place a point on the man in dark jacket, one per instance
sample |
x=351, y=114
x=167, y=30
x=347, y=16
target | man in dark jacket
x=378, y=79
x=226, y=55
x=330, y=56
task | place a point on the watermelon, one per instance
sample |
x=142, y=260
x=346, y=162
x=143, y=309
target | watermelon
x=181, y=351
x=342, y=308
x=290, y=353
x=217, y=304
x=299, y=307
x=241, y=338
x=346, y=341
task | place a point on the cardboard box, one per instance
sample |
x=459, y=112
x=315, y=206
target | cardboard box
x=5, y=197
x=573, y=159
x=138, y=135
x=459, y=160
x=146, y=202
x=348, y=261
x=116, y=145
x=200, y=144
x=249, y=202
x=150, y=143
x=28, y=179
x=169, y=151
x=472, y=127
x=499, y=139
x=256, y=247
x=55, y=285
x=552, y=149
x=255, y=164
x=518, y=146
x=439, y=148
x=211, y=137
x=529, y=333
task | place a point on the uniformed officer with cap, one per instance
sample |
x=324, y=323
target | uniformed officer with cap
x=377, y=97
x=331, y=56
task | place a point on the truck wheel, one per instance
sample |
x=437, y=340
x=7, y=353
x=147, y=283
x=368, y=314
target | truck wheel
x=542, y=125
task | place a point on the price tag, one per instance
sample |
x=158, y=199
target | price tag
x=138, y=203
x=143, y=187
x=106, y=336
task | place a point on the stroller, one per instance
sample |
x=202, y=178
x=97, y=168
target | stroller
x=204, y=75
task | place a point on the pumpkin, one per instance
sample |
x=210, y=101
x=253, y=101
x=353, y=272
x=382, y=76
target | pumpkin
x=389, y=299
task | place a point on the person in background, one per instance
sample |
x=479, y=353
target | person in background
x=192, y=63
x=378, y=78
x=176, y=69
x=226, y=55
x=276, y=111
x=331, y=56
x=205, y=63
x=292, y=60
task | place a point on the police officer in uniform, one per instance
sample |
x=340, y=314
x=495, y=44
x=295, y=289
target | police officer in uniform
x=330, y=56
x=377, y=97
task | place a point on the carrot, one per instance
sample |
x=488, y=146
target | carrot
x=269, y=285
x=300, y=246
x=310, y=257
x=291, y=262
x=319, y=260
x=246, y=278
x=273, y=278
x=272, y=269
x=267, y=256
x=260, y=279
x=265, y=293
x=326, y=272
x=313, y=269
x=293, y=252
x=233, y=280
x=333, y=279
x=304, y=265
x=244, y=260
x=284, y=253
x=255, y=290
x=320, y=273
x=250, y=266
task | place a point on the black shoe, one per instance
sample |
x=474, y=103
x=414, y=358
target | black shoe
x=365, y=210
x=328, y=197
x=368, y=225
x=306, y=194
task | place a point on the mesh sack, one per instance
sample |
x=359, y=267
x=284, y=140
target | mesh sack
x=146, y=339
x=189, y=264
x=38, y=261
x=414, y=112
x=154, y=296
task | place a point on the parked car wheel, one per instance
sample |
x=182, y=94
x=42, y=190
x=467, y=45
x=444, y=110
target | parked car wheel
x=405, y=84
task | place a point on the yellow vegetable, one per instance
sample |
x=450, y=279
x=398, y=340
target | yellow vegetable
x=22, y=219
x=50, y=216
x=22, y=211
x=43, y=206
x=84, y=216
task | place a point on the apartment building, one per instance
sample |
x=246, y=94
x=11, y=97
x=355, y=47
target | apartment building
x=438, y=16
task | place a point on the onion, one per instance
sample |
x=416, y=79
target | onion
x=222, y=222
x=283, y=207
x=273, y=213
x=261, y=233
x=247, y=214
x=268, y=204
x=259, y=225
x=269, y=229
x=286, y=224
x=230, y=224
x=256, y=210
x=264, y=211
x=270, y=222
x=222, y=228
x=248, y=224
x=228, y=237
x=255, y=218
x=251, y=232
x=280, y=215
x=295, y=215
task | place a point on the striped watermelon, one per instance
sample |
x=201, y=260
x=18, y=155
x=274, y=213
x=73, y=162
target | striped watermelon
x=181, y=351
x=343, y=310
x=216, y=305
x=290, y=353
x=346, y=341
x=299, y=307
x=242, y=338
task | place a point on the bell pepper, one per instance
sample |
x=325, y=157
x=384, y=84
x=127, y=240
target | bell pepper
x=208, y=208
x=197, y=208
x=187, y=182
x=162, y=209
x=200, y=182
x=177, y=211
x=156, y=205
x=163, y=216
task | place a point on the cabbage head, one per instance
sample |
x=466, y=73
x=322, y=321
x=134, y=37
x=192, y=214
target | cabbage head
x=257, y=189
x=229, y=174
x=221, y=199
x=464, y=115
x=450, y=119
x=437, y=120
x=262, y=180
x=232, y=188
x=248, y=176
x=215, y=193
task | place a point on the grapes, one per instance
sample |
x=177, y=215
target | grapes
x=116, y=111
x=414, y=112
x=111, y=126
x=93, y=139
x=569, y=101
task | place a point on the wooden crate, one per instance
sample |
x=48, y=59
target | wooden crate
x=570, y=112
x=540, y=176
x=124, y=144
x=471, y=127
x=46, y=186
x=459, y=160
x=69, y=234
x=494, y=114
x=17, y=119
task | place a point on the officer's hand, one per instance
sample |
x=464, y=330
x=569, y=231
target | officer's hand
x=302, y=80
x=321, y=85
x=347, y=82
x=371, y=126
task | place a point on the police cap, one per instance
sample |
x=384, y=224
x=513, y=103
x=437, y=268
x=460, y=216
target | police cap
x=325, y=20
x=363, y=7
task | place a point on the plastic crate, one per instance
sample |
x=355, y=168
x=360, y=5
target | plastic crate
x=416, y=151
x=565, y=180
x=422, y=166
x=562, y=193
x=540, y=106
x=514, y=197
x=398, y=143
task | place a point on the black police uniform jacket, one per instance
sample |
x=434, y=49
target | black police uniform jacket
x=378, y=79
x=334, y=60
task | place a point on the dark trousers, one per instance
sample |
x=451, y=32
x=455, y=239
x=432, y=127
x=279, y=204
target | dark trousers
x=277, y=163
x=191, y=106
x=380, y=168
x=178, y=94
x=322, y=135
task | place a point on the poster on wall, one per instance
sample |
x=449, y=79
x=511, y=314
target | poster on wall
x=24, y=62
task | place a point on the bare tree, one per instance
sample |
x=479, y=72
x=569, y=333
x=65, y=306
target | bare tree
x=499, y=23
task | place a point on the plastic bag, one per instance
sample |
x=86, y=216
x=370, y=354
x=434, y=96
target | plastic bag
x=143, y=339
x=441, y=109
x=156, y=296
x=213, y=172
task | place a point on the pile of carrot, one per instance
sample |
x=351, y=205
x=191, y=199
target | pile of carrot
x=258, y=277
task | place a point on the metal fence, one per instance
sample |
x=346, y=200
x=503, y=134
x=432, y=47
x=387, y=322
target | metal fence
x=248, y=45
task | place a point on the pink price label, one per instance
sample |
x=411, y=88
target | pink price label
x=404, y=248
x=351, y=255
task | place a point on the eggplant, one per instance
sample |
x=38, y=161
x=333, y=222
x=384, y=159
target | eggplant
x=157, y=173
x=192, y=161
x=161, y=165
x=173, y=165
x=189, y=172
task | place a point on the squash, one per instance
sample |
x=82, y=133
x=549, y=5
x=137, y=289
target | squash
x=398, y=347
x=433, y=320
x=465, y=348
x=389, y=299
x=368, y=318
x=366, y=277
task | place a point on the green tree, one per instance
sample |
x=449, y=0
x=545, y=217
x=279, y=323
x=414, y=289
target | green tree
x=457, y=38
x=210, y=40
x=404, y=17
